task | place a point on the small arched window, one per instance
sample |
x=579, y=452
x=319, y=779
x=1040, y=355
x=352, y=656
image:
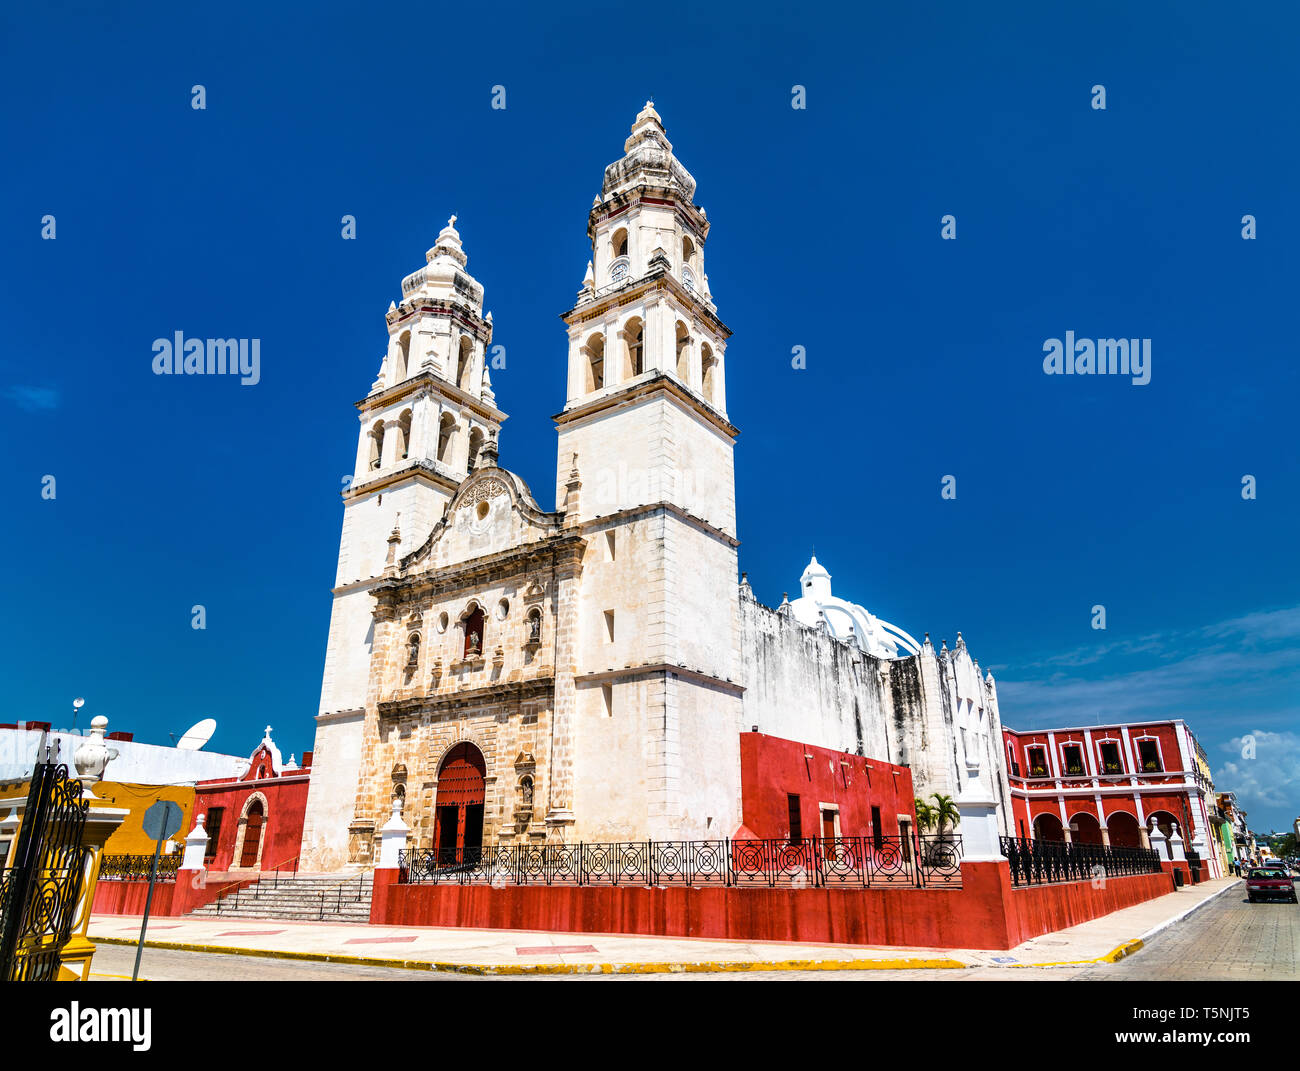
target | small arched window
x=683, y=353
x=618, y=244
x=633, y=348
x=377, y=444
x=446, y=427
x=403, y=355
x=475, y=444
x=709, y=374
x=464, y=362
x=474, y=622
x=404, y=434
x=595, y=354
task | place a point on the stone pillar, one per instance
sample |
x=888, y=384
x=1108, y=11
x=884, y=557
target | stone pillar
x=559, y=773
x=393, y=837
x=979, y=826
x=1176, y=846
x=196, y=846
x=1158, y=841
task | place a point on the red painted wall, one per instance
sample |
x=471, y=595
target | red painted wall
x=169, y=898
x=771, y=769
x=286, y=804
x=985, y=913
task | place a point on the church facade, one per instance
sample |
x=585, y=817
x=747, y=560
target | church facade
x=514, y=674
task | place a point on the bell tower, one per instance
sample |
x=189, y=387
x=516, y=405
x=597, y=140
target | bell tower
x=421, y=427
x=645, y=471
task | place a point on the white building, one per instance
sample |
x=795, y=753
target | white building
x=586, y=673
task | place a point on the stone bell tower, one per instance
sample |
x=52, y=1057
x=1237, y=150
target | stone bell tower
x=428, y=414
x=645, y=471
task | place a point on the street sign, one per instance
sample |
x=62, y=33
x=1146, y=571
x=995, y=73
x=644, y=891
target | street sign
x=162, y=820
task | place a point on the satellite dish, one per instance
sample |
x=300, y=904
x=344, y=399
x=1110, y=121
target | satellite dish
x=198, y=735
x=77, y=704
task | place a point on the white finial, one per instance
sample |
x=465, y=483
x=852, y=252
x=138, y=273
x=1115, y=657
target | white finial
x=451, y=221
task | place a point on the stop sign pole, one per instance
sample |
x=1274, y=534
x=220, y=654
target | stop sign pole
x=161, y=821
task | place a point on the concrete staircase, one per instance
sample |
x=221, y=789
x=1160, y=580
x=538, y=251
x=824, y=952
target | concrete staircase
x=306, y=897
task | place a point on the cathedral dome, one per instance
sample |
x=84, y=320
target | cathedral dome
x=847, y=621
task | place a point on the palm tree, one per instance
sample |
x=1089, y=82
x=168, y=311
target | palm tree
x=924, y=814
x=944, y=811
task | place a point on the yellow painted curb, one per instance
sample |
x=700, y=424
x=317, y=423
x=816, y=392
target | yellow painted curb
x=517, y=969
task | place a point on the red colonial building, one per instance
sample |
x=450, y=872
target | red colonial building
x=254, y=822
x=1105, y=784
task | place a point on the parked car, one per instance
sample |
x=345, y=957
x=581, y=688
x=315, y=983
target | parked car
x=1264, y=883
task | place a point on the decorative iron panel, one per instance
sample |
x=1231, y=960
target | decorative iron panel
x=1044, y=862
x=41, y=891
x=832, y=862
x=138, y=867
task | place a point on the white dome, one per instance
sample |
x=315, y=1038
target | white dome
x=847, y=621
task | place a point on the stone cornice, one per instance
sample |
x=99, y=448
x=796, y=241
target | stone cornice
x=618, y=203
x=512, y=692
x=635, y=392
x=602, y=521
x=659, y=669
x=563, y=551
x=437, y=385
x=329, y=716
x=453, y=310
x=658, y=279
x=415, y=468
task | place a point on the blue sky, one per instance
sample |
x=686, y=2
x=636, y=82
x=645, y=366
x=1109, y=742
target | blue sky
x=924, y=356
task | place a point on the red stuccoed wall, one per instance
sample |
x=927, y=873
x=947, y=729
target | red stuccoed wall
x=986, y=913
x=772, y=769
x=169, y=898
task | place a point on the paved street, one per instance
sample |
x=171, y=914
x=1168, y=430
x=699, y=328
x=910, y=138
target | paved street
x=1229, y=939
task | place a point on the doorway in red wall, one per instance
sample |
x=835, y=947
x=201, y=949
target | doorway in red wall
x=252, y=834
x=459, y=808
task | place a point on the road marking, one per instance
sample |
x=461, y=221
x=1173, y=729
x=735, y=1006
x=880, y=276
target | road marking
x=380, y=940
x=249, y=933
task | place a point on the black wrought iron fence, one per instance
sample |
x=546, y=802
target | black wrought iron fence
x=138, y=867
x=1042, y=862
x=911, y=861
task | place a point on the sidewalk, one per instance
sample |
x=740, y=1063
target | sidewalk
x=522, y=952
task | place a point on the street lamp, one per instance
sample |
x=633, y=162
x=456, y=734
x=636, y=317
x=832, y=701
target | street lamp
x=77, y=704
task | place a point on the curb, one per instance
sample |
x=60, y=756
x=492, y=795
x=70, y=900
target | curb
x=1130, y=947
x=541, y=969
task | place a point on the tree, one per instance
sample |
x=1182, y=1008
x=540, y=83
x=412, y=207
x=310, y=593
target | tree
x=944, y=812
x=924, y=814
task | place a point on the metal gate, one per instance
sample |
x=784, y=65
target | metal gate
x=39, y=894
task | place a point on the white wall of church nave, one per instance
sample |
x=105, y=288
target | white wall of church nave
x=332, y=792
x=671, y=590
x=347, y=653
x=660, y=759
x=806, y=686
x=651, y=451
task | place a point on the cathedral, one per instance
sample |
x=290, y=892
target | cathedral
x=511, y=674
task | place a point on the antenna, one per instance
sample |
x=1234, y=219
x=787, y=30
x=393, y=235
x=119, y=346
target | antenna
x=197, y=735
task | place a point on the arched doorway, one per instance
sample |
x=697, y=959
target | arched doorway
x=252, y=834
x=1123, y=830
x=1048, y=827
x=458, y=815
x=1085, y=829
